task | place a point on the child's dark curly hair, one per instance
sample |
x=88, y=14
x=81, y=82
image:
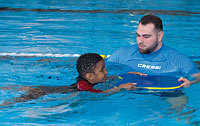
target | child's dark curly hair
x=86, y=63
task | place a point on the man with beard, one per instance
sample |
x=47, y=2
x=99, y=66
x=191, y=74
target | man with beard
x=151, y=56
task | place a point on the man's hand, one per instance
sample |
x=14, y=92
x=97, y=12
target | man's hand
x=186, y=82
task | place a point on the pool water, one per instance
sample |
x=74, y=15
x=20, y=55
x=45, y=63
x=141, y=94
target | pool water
x=101, y=26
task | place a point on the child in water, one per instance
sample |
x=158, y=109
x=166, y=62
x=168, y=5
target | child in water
x=91, y=69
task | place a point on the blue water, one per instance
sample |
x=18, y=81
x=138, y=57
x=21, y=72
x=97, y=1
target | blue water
x=102, y=26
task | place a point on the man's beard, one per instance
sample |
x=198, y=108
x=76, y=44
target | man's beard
x=148, y=50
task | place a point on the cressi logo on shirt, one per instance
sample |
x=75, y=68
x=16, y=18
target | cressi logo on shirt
x=149, y=66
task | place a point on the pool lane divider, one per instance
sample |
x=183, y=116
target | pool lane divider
x=44, y=55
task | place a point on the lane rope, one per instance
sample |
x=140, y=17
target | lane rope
x=44, y=55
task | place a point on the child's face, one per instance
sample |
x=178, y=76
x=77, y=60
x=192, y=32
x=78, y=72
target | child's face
x=100, y=72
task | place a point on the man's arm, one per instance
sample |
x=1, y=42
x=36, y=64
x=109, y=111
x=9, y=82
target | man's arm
x=197, y=80
x=187, y=83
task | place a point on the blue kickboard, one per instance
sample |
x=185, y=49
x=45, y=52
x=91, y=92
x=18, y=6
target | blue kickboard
x=151, y=82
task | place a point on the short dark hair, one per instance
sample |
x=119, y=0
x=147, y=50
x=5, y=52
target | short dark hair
x=152, y=19
x=86, y=63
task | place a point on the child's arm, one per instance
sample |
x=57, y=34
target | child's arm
x=142, y=74
x=127, y=86
x=114, y=77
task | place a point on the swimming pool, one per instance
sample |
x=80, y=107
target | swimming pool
x=76, y=27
